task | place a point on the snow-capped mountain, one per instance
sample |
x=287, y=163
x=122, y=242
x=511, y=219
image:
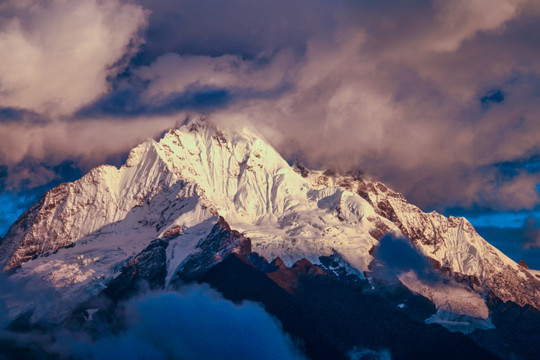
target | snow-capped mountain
x=202, y=191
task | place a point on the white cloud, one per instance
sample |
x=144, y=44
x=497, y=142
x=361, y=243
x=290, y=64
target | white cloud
x=56, y=55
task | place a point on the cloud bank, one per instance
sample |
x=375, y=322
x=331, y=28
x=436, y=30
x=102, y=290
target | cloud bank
x=432, y=97
x=194, y=324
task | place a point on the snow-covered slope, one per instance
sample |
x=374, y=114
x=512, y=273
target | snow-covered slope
x=80, y=234
x=456, y=247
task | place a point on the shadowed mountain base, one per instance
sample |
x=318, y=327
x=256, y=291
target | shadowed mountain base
x=331, y=317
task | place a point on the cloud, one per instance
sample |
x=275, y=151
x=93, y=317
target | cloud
x=415, y=120
x=198, y=324
x=531, y=232
x=365, y=354
x=37, y=157
x=462, y=19
x=17, y=298
x=194, y=324
x=175, y=74
x=88, y=142
x=245, y=28
x=403, y=91
x=57, y=55
x=396, y=256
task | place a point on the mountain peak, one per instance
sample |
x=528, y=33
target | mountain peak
x=177, y=189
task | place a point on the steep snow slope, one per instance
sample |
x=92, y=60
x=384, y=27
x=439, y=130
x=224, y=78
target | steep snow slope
x=456, y=247
x=78, y=236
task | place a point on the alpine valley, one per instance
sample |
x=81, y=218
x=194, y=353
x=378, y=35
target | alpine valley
x=341, y=260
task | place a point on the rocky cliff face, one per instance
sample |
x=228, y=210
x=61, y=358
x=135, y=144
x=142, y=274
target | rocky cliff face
x=200, y=191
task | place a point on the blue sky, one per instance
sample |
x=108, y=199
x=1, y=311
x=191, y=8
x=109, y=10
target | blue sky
x=439, y=99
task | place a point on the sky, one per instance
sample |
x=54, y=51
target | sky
x=439, y=99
